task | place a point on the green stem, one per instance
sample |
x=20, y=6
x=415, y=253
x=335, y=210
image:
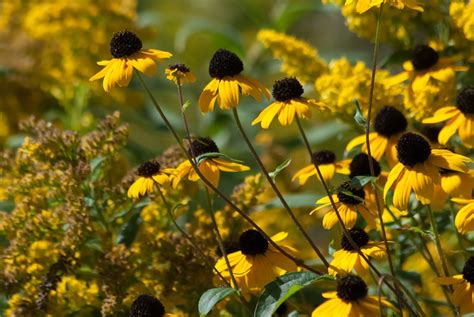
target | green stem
x=458, y=235
x=297, y=261
x=367, y=140
x=219, y=239
x=276, y=190
x=341, y=223
x=188, y=237
x=441, y=255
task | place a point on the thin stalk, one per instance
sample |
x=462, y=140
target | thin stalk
x=185, y=119
x=219, y=239
x=458, y=235
x=188, y=237
x=439, y=248
x=297, y=261
x=341, y=223
x=441, y=255
x=275, y=188
x=367, y=139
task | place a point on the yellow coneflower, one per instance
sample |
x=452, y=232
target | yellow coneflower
x=389, y=124
x=452, y=184
x=350, y=300
x=258, y=262
x=126, y=49
x=149, y=173
x=326, y=160
x=426, y=73
x=210, y=166
x=462, y=284
x=349, y=202
x=289, y=103
x=181, y=73
x=147, y=305
x=348, y=258
x=459, y=118
x=227, y=83
x=364, y=5
x=418, y=169
x=464, y=220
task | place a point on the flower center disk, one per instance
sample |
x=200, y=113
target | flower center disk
x=287, y=89
x=323, y=157
x=351, y=288
x=147, y=306
x=468, y=270
x=148, y=169
x=253, y=243
x=360, y=166
x=389, y=121
x=124, y=43
x=344, y=197
x=201, y=146
x=225, y=63
x=424, y=57
x=465, y=100
x=360, y=237
x=413, y=149
x=180, y=67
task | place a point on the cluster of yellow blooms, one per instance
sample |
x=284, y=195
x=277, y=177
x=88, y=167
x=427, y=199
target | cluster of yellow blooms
x=80, y=242
x=293, y=53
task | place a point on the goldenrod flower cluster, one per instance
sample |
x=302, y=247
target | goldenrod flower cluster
x=345, y=82
x=293, y=53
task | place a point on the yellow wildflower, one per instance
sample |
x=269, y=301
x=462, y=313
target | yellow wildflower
x=293, y=53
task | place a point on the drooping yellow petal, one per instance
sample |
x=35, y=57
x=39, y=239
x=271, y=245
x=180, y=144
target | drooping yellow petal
x=266, y=116
x=441, y=115
x=303, y=174
x=403, y=188
x=449, y=160
x=449, y=129
x=208, y=97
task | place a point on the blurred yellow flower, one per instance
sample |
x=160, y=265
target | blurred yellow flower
x=257, y=263
x=460, y=118
x=126, y=48
x=180, y=73
x=293, y=53
x=326, y=161
x=210, y=167
x=149, y=173
x=431, y=81
x=364, y=5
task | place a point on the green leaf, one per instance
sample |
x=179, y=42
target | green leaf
x=348, y=193
x=299, y=200
x=130, y=229
x=211, y=297
x=280, y=168
x=283, y=288
x=359, y=117
x=361, y=181
x=425, y=233
x=204, y=156
x=187, y=103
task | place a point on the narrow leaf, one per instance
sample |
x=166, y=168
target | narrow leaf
x=187, y=103
x=204, y=156
x=361, y=181
x=280, y=168
x=359, y=117
x=283, y=288
x=211, y=297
